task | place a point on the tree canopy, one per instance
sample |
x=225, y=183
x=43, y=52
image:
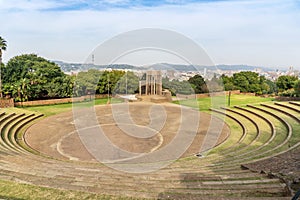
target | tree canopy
x=177, y=87
x=3, y=46
x=297, y=88
x=285, y=82
x=247, y=81
x=104, y=82
x=29, y=77
x=198, y=83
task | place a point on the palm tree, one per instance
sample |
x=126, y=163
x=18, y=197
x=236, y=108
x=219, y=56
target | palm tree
x=2, y=47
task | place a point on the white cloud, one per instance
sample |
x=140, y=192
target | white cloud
x=116, y=1
x=234, y=32
x=25, y=5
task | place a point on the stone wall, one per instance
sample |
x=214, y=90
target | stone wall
x=58, y=101
x=49, y=101
x=204, y=95
x=248, y=93
x=288, y=98
x=5, y=103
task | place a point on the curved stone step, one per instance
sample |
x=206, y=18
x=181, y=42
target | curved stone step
x=236, y=120
x=287, y=125
x=237, y=148
x=257, y=156
x=238, y=160
x=16, y=127
x=249, y=149
x=294, y=103
x=8, y=121
x=282, y=111
x=288, y=107
x=254, y=124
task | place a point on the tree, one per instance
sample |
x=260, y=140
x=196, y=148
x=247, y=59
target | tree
x=177, y=87
x=241, y=80
x=272, y=87
x=227, y=82
x=297, y=88
x=33, y=77
x=198, y=84
x=112, y=82
x=87, y=82
x=285, y=82
x=3, y=46
x=23, y=87
x=66, y=84
x=127, y=84
x=108, y=81
x=248, y=81
x=215, y=84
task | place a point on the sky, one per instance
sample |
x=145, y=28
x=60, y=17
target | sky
x=253, y=32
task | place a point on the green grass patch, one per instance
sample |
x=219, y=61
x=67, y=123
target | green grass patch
x=17, y=191
x=235, y=135
x=49, y=110
x=204, y=104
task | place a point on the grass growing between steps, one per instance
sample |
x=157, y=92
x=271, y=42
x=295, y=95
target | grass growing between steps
x=277, y=145
x=18, y=191
x=235, y=135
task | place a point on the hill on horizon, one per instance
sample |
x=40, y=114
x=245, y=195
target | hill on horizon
x=73, y=67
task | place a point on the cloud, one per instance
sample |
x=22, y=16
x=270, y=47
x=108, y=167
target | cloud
x=19, y=5
x=232, y=32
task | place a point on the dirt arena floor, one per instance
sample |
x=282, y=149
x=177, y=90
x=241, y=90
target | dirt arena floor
x=57, y=136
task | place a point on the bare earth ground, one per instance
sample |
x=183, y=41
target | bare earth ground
x=56, y=136
x=285, y=166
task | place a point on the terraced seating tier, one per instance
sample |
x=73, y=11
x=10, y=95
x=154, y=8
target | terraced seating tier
x=295, y=103
x=283, y=111
x=258, y=136
x=287, y=106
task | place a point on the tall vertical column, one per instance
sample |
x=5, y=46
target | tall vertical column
x=146, y=85
x=154, y=85
x=140, y=88
x=151, y=85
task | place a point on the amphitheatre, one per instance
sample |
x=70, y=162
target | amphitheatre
x=255, y=156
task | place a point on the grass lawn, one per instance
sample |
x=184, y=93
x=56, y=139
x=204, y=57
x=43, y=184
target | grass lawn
x=216, y=102
x=49, y=110
x=203, y=103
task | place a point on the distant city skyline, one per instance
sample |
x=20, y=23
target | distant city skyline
x=257, y=32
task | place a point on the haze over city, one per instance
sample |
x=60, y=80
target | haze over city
x=260, y=33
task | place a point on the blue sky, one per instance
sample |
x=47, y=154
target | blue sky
x=254, y=32
x=67, y=5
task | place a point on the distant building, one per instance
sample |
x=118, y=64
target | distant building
x=171, y=74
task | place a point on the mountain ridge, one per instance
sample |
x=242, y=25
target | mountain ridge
x=69, y=67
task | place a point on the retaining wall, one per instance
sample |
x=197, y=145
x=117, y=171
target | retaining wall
x=204, y=95
x=58, y=101
x=288, y=98
x=5, y=103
